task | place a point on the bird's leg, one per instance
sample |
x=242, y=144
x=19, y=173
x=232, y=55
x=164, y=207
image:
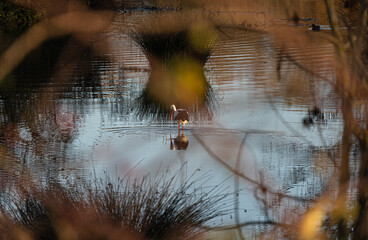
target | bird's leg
x=179, y=127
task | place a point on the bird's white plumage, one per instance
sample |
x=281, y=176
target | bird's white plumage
x=181, y=116
x=173, y=108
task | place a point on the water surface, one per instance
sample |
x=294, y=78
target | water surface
x=94, y=125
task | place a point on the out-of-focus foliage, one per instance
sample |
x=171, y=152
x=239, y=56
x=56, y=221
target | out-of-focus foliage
x=177, y=49
x=15, y=18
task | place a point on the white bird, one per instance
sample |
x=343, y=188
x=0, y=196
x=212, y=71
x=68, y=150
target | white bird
x=181, y=116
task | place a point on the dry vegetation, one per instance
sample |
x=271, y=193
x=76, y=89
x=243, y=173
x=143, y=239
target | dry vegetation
x=150, y=208
x=154, y=211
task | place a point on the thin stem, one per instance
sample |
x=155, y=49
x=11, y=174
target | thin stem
x=236, y=186
x=240, y=174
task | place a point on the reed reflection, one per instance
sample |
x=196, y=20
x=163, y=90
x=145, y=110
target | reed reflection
x=177, y=58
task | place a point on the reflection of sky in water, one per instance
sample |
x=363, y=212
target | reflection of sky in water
x=111, y=138
x=238, y=72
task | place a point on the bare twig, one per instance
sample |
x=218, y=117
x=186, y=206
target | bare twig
x=240, y=174
x=236, y=186
x=283, y=121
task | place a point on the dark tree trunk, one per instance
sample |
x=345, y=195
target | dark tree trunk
x=361, y=222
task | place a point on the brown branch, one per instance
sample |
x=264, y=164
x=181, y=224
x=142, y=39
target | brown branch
x=344, y=178
x=363, y=20
x=244, y=224
x=343, y=91
x=283, y=121
x=333, y=20
x=77, y=23
x=240, y=174
x=236, y=186
x=305, y=69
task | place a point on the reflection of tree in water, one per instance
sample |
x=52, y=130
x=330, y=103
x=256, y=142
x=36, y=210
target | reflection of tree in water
x=177, y=60
x=34, y=119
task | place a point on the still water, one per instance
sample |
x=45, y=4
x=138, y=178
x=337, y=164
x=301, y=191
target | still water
x=92, y=124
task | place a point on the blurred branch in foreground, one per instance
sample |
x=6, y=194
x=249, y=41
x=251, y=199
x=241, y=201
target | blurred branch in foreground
x=75, y=23
x=336, y=216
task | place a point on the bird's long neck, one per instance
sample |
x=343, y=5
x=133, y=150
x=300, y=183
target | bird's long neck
x=174, y=109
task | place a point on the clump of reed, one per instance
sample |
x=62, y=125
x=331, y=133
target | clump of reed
x=104, y=209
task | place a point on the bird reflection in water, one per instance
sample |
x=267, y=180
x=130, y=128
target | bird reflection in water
x=180, y=142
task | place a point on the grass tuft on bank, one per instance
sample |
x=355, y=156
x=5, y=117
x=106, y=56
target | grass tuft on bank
x=147, y=208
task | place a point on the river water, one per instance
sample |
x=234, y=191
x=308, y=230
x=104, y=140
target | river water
x=92, y=125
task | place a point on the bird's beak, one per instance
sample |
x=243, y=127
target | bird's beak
x=171, y=115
